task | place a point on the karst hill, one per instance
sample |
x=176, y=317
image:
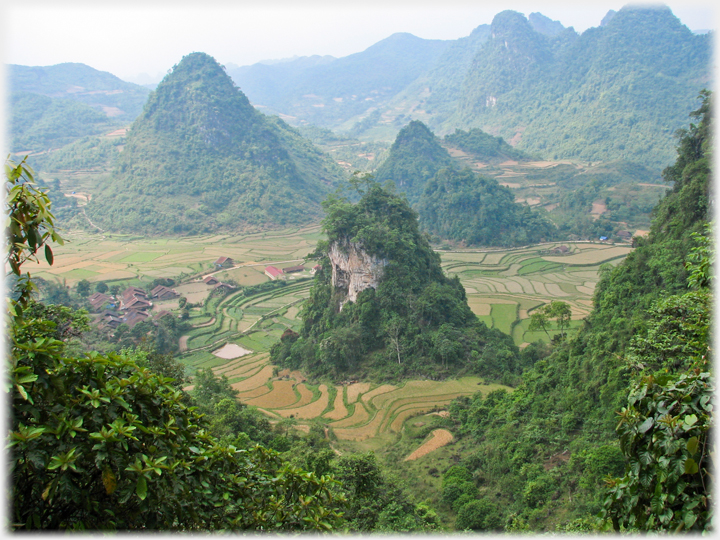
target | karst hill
x=200, y=158
x=382, y=308
x=453, y=202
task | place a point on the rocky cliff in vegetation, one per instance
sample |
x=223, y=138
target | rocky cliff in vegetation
x=353, y=269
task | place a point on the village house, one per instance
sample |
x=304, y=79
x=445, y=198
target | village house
x=99, y=300
x=291, y=269
x=225, y=286
x=160, y=314
x=562, y=250
x=134, y=298
x=134, y=316
x=315, y=269
x=625, y=235
x=109, y=320
x=163, y=293
x=210, y=280
x=223, y=262
x=273, y=273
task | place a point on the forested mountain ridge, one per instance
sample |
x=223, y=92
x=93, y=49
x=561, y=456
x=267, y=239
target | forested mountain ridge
x=117, y=99
x=322, y=90
x=624, y=85
x=414, y=158
x=544, y=449
x=460, y=205
x=40, y=123
x=201, y=158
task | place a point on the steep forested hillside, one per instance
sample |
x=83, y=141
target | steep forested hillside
x=39, y=123
x=414, y=322
x=616, y=91
x=201, y=158
x=414, y=158
x=460, y=206
x=542, y=452
x=466, y=207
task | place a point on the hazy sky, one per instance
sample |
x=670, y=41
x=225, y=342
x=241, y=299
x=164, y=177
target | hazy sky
x=132, y=37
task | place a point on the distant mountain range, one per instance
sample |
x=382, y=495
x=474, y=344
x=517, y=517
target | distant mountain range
x=618, y=91
x=615, y=92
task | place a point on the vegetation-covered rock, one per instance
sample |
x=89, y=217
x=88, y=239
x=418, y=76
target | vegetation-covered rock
x=415, y=157
x=201, y=158
x=617, y=91
x=415, y=322
x=464, y=206
x=545, y=448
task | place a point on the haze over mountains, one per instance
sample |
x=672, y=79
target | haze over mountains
x=616, y=93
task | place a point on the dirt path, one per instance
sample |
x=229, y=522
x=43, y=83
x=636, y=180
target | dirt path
x=91, y=223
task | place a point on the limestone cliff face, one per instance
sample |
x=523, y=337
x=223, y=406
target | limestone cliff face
x=353, y=270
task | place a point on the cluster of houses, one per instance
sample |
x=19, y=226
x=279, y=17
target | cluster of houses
x=131, y=307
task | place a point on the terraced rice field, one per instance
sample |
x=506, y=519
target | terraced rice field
x=504, y=287
x=357, y=413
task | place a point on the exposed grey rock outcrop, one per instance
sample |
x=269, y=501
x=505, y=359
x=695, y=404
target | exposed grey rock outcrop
x=353, y=269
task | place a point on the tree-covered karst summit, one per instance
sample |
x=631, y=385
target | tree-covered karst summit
x=461, y=205
x=201, y=158
x=381, y=306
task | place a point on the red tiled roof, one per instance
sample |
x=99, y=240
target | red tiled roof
x=275, y=272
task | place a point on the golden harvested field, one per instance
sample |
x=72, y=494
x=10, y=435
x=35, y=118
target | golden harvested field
x=438, y=439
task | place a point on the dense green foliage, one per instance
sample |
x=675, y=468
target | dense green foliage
x=201, y=158
x=464, y=206
x=415, y=157
x=545, y=448
x=459, y=205
x=416, y=323
x=100, y=442
x=39, y=123
x=483, y=145
x=616, y=91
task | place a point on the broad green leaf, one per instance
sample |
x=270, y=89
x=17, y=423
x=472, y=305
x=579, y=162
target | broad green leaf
x=110, y=481
x=692, y=445
x=141, y=488
x=646, y=425
x=690, y=466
